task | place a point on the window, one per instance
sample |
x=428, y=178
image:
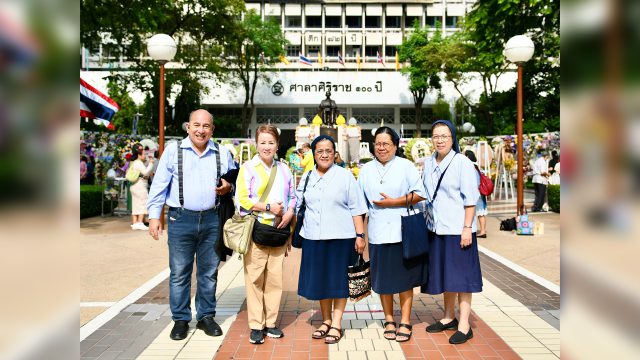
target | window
x=314, y=22
x=277, y=115
x=372, y=22
x=332, y=21
x=408, y=116
x=293, y=50
x=333, y=51
x=293, y=21
x=452, y=22
x=312, y=52
x=352, y=51
x=354, y=21
x=393, y=22
x=433, y=20
x=371, y=50
x=110, y=52
x=373, y=115
x=276, y=19
x=390, y=50
x=408, y=21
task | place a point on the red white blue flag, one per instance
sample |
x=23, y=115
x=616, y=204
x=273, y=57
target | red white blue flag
x=340, y=59
x=96, y=105
x=304, y=60
x=380, y=59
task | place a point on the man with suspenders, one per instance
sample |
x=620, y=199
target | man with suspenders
x=188, y=180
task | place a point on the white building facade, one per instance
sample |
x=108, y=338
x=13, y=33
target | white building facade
x=367, y=85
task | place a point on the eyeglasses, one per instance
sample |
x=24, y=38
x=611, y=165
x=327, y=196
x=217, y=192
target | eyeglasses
x=440, y=137
x=320, y=152
x=383, y=145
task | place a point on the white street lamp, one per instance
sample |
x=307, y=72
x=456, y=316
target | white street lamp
x=162, y=48
x=518, y=50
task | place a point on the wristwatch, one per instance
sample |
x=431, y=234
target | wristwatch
x=268, y=208
x=468, y=226
x=360, y=235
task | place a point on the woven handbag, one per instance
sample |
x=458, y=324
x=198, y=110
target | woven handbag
x=359, y=279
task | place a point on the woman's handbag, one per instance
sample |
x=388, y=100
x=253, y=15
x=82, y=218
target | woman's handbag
x=268, y=235
x=296, y=242
x=414, y=232
x=238, y=230
x=359, y=279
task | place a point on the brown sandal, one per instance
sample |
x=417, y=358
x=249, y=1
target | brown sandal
x=333, y=339
x=390, y=331
x=321, y=332
x=405, y=337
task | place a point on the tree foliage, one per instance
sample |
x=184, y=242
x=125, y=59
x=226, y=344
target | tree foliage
x=253, y=45
x=196, y=25
x=476, y=51
x=423, y=76
x=123, y=119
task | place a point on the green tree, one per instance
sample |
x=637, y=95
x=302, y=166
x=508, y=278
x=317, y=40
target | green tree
x=123, y=119
x=476, y=51
x=255, y=45
x=423, y=76
x=441, y=110
x=198, y=26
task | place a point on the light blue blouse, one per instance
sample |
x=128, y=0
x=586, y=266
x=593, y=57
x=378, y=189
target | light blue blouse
x=332, y=201
x=459, y=188
x=396, y=178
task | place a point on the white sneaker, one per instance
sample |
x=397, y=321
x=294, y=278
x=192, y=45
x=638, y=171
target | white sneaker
x=139, y=226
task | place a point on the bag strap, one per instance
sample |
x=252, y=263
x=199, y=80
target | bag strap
x=409, y=203
x=180, y=182
x=306, y=181
x=218, y=170
x=435, y=193
x=272, y=177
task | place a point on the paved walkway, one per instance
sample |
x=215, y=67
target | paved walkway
x=516, y=316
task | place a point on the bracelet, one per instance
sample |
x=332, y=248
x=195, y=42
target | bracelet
x=468, y=226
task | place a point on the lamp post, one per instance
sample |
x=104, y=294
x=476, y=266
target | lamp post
x=518, y=50
x=162, y=48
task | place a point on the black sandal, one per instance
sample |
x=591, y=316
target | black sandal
x=406, y=336
x=333, y=339
x=390, y=331
x=321, y=332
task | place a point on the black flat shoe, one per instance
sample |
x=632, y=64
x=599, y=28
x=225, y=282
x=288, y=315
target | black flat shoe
x=180, y=330
x=209, y=326
x=388, y=332
x=460, y=337
x=438, y=326
x=482, y=236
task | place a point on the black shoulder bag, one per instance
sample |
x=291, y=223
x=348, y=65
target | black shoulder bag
x=268, y=235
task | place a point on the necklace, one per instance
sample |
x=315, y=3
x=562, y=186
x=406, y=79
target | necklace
x=382, y=174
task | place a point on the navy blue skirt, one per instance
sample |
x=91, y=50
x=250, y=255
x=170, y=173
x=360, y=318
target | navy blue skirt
x=323, y=269
x=451, y=268
x=390, y=273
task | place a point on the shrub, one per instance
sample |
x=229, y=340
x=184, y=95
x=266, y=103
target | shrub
x=91, y=201
x=553, y=196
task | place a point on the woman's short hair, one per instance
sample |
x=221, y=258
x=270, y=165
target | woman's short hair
x=395, y=138
x=269, y=129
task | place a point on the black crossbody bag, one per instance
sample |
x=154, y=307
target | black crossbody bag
x=268, y=235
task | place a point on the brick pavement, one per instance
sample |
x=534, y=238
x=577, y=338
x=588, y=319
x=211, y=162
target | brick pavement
x=504, y=323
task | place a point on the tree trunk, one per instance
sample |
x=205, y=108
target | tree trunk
x=418, y=99
x=246, y=111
